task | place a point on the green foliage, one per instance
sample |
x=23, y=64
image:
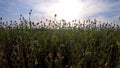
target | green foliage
x=52, y=46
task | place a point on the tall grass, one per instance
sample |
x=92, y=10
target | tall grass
x=59, y=44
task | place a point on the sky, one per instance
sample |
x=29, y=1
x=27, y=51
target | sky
x=102, y=10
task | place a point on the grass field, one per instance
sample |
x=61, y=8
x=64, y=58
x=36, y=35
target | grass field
x=59, y=44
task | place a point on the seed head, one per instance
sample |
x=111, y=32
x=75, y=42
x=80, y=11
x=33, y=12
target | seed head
x=1, y=18
x=11, y=21
x=20, y=15
x=30, y=13
x=13, y=53
x=55, y=15
x=16, y=49
x=30, y=49
x=37, y=23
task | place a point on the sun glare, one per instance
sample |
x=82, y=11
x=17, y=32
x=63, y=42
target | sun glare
x=67, y=9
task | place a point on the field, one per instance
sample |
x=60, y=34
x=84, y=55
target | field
x=59, y=44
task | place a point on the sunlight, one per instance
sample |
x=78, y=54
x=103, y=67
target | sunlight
x=67, y=9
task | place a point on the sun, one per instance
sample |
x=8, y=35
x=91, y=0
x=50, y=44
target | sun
x=67, y=9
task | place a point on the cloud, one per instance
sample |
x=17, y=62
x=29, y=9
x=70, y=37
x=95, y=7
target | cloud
x=86, y=8
x=68, y=9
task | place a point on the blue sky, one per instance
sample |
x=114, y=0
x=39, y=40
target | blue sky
x=103, y=10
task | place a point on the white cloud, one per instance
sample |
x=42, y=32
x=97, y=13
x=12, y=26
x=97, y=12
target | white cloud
x=83, y=8
x=70, y=9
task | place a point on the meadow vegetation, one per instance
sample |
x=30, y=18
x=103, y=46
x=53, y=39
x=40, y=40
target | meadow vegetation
x=59, y=44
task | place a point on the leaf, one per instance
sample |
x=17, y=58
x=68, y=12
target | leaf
x=36, y=62
x=118, y=43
